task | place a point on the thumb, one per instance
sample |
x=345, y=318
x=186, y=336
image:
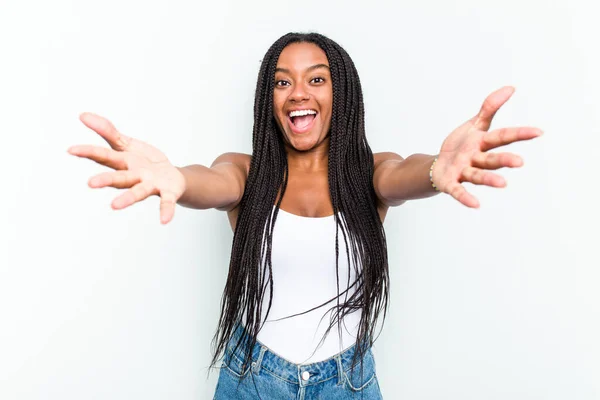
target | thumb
x=106, y=130
x=167, y=206
x=491, y=105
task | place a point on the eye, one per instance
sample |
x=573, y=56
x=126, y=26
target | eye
x=317, y=80
x=281, y=83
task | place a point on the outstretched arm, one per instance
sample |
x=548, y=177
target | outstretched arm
x=463, y=157
x=145, y=171
x=397, y=180
x=221, y=186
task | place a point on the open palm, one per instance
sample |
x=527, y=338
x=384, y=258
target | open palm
x=464, y=155
x=139, y=167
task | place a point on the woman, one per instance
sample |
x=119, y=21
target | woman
x=307, y=209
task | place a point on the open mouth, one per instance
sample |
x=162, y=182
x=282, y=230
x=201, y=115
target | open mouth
x=302, y=120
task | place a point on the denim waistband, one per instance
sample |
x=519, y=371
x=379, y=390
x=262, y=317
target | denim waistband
x=263, y=357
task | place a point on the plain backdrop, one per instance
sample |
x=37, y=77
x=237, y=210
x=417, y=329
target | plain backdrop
x=496, y=303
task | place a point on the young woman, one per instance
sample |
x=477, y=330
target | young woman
x=307, y=206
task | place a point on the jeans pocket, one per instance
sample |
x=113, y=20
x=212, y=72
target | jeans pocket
x=358, y=380
x=234, y=363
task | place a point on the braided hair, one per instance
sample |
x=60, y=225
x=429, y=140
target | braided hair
x=350, y=175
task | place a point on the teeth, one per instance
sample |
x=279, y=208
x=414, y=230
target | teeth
x=299, y=113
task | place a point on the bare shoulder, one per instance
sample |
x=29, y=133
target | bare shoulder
x=378, y=158
x=240, y=160
x=235, y=167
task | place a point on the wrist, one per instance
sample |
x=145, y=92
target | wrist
x=435, y=187
x=183, y=178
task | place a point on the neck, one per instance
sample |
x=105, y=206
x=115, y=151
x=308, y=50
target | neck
x=315, y=159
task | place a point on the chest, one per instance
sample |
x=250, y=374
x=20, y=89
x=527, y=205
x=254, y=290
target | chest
x=307, y=194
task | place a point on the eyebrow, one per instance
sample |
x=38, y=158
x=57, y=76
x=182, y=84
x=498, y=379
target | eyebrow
x=309, y=69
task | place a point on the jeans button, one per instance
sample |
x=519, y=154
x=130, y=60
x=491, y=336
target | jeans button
x=305, y=375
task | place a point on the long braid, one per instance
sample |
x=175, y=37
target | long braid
x=350, y=177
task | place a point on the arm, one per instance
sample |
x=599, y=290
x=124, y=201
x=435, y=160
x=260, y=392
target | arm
x=396, y=179
x=221, y=186
x=146, y=171
x=463, y=157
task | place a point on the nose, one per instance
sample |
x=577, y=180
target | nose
x=299, y=93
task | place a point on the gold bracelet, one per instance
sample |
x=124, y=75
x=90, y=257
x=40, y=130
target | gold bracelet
x=431, y=175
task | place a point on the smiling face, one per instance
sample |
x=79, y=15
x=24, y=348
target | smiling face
x=303, y=96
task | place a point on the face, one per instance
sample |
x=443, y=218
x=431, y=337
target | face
x=303, y=96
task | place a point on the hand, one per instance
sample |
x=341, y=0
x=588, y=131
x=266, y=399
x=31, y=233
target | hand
x=464, y=154
x=142, y=168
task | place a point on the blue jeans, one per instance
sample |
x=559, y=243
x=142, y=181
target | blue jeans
x=270, y=377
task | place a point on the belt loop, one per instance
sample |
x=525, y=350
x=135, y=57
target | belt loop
x=256, y=364
x=338, y=358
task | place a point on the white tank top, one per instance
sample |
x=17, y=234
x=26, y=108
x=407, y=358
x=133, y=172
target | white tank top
x=304, y=276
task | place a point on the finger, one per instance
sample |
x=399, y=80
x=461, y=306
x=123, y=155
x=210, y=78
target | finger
x=101, y=155
x=106, y=129
x=458, y=191
x=491, y=105
x=504, y=136
x=137, y=193
x=119, y=179
x=496, y=160
x=482, y=177
x=167, y=206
